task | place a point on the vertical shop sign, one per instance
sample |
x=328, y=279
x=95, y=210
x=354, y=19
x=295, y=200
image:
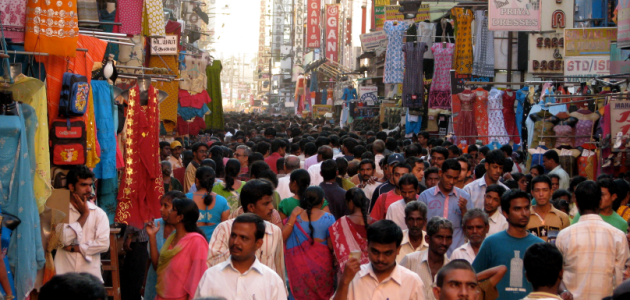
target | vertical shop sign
x=348, y=31
x=278, y=26
x=332, y=32
x=619, y=116
x=623, y=25
x=379, y=17
x=262, y=61
x=312, y=26
x=514, y=15
x=546, y=48
x=298, y=48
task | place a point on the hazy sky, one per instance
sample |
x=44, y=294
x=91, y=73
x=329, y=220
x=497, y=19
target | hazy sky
x=240, y=33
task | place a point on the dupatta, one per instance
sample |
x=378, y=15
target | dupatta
x=180, y=268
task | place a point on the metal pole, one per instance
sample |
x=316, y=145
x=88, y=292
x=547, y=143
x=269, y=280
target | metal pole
x=509, y=56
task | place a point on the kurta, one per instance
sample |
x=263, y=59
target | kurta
x=51, y=27
x=141, y=186
x=215, y=119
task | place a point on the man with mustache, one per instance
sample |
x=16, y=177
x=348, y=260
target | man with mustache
x=366, y=176
x=475, y=229
x=413, y=237
x=428, y=262
x=243, y=272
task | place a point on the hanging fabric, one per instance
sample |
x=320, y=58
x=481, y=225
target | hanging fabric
x=13, y=18
x=394, y=60
x=413, y=85
x=153, y=18
x=215, y=120
x=51, y=27
x=463, y=44
x=483, y=62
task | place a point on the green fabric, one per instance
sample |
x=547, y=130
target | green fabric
x=615, y=220
x=174, y=186
x=346, y=183
x=288, y=204
x=232, y=197
x=215, y=119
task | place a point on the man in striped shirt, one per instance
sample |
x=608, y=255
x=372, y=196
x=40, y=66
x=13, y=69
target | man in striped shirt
x=256, y=197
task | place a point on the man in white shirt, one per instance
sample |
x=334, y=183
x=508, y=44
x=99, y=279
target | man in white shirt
x=323, y=153
x=243, y=276
x=495, y=160
x=366, y=176
x=378, y=147
x=382, y=278
x=86, y=235
x=492, y=207
x=256, y=197
x=475, y=229
x=413, y=238
x=291, y=163
x=551, y=161
x=408, y=187
x=594, y=251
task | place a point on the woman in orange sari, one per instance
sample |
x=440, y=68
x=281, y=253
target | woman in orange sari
x=182, y=260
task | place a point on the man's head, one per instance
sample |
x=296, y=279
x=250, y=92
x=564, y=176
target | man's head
x=473, y=150
x=270, y=133
x=551, y=159
x=79, y=181
x=423, y=138
x=176, y=149
x=242, y=153
x=415, y=217
x=246, y=236
x=256, y=196
x=200, y=152
x=432, y=175
x=279, y=146
x=366, y=170
x=166, y=168
x=408, y=187
x=378, y=147
x=398, y=170
x=324, y=153
x=165, y=150
x=291, y=163
x=342, y=166
x=348, y=146
x=417, y=167
x=555, y=182
x=476, y=226
x=456, y=281
x=466, y=168
x=507, y=150
x=438, y=156
x=515, y=205
x=329, y=170
x=481, y=154
x=494, y=165
x=453, y=151
x=411, y=151
x=439, y=235
x=541, y=190
x=492, y=198
x=543, y=265
x=384, y=238
x=588, y=196
x=73, y=286
x=449, y=174
x=609, y=193
x=263, y=148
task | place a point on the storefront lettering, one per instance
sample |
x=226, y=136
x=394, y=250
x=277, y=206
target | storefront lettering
x=552, y=65
x=558, y=19
x=549, y=42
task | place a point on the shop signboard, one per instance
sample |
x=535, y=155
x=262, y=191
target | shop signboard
x=298, y=46
x=623, y=24
x=332, y=32
x=164, y=45
x=392, y=13
x=619, y=116
x=371, y=41
x=618, y=60
x=586, y=67
x=379, y=17
x=514, y=15
x=546, y=49
x=588, y=41
x=368, y=94
x=278, y=26
x=312, y=25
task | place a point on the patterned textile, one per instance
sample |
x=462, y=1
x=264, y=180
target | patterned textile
x=168, y=107
x=43, y=32
x=346, y=236
x=87, y=10
x=543, y=128
x=509, y=117
x=440, y=93
x=584, y=126
x=481, y=114
x=191, y=128
x=483, y=64
x=564, y=135
x=215, y=119
x=196, y=101
x=194, y=76
x=13, y=18
x=426, y=32
x=463, y=44
x=413, y=85
x=153, y=18
x=466, y=123
x=496, y=126
x=394, y=60
x=129, y=13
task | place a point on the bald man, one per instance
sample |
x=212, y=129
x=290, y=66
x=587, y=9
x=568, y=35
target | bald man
x=323, y=153
x=291, y=163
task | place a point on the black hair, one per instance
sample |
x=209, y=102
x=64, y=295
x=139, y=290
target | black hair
x=257, y=167
x=451, y=164
x=303, y=180
x=440, y=150
x=430, y=171
x=622, y=191
x=456, y=151
x=322, y=141
x=560, y=204
x=253, y=191
x=79, y=171
x=552, y=176
x=73, y=286
x=187, y=157
x=208, y=162
x=384, y=232
x=552, y=154
x=508, y=165
x=517, y=176
x=411, y=151
x=270, y=131
x=464, y=160
x=480, y=170
x=367, y=161
x=313, y=196
x=164, y=144
x=206, y=177
x=381, y=135
x=189, y=210
x=542, y=263
x=173, y=195
x=574, y=182
x=543, y=179
x=310, y=149
x=391, y=144
x=263, y=148
x=472, y=148
x=196, y=146
x=358, y=198
x=367, y=155
x=507, y=149
x=254, y=219
x=541, y=169
x=280, y=164
x=342, y=165
x=358, y=151
x=608, y=184
x=277, y=144
x=497, y=188
x=456, y=264
x=484, y=150
x=232, y=168
x=400, y=165
x=495, y=157
x=269, y=175
x=329, y=169
x=560, y=193
x=408, y=179
x=217, y=156
x=412, y=161
x=511, y=183
x=506, y=199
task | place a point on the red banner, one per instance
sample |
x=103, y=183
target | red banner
x=332, y=31
x=312, y=27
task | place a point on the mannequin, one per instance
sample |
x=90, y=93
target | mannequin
x=585, y=124
x=111, y=7
x=565, y=129
x=544, y=123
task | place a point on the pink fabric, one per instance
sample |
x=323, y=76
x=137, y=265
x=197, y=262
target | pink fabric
x=185, y=269
x=196, y=101
x=346, y=236
x=382, y=204
x=13, y=18
x=120, y=163
x=191, y=128
x=129, y=13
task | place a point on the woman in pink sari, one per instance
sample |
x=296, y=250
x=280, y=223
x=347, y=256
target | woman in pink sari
x=349, y=233
x=182, y=260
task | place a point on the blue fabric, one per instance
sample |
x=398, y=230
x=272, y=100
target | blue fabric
x=530, y=124
x=313, y=86
x=149, y=286
x=521, y=97
x=103, y=94
x=6, y=237
x=556, y=109
x=189, y=113
x=349, y=94
x=435, y=204
x=107, y=193
x=212, y=215
x=503, y=249
x=412, y=127
x=537, y=159
x=320, y=227
x=26, y=253
x=494, y=145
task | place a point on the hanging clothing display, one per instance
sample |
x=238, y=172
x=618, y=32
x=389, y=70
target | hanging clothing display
x=483, y=62
x=509, y=117
x=106, y=16
x=463, y=43
x=481, y=114
x=543, y=127
x=51, y=27
x=106, y=133
x=394, y=60
x=215, y=119
x=197, y=101
x=13, y=18
x=426, y=32
x=193, y=76
x=168, y=107
x=131, y=19
x=440, y=93
x=87, y=10
x=466, y=125
x=496, y=125
x=153, y=18
x=585, y=125
x=521, y=98
x=413, y=85
x=141, y=183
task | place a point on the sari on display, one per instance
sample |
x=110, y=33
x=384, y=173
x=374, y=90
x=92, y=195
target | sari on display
x=180, y=267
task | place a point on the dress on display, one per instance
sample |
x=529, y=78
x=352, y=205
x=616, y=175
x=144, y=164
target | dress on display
x=463, y=44
x=394, y=60
x=509, y=117
x=521, y=97
x=481, y=114
x=466, y=125
x=440, y=94
x=543, y=128
x=413, y=86
x=426, y=32
x=564, y=135
x=586, y=123
x=215, y=119
x=496, y=125
x=483, y=64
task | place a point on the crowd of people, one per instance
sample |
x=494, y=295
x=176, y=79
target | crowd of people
x=292, y=209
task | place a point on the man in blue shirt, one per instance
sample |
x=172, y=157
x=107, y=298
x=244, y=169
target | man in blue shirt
x=447, y=201
x=508, y=247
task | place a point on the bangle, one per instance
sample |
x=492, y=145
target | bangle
x=9, y=297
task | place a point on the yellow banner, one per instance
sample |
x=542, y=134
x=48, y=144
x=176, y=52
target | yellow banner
x=392, y=13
